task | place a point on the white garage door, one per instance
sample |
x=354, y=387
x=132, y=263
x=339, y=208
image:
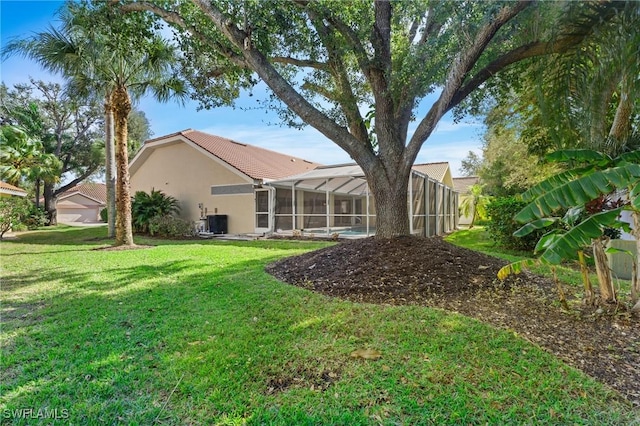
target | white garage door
x=78, y=215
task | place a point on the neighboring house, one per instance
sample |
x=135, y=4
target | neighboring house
x=439, y=171
x=7, y=190
x=210, y=175
x=82, y=203
x=462, y=185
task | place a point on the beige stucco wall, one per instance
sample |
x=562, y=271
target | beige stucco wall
x=78, y=208
x=187, y=174
x=239, y=210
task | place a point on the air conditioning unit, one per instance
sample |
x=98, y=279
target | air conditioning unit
x=217, y=223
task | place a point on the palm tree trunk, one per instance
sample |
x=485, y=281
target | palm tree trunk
x=110, y=166
x=121, y=103
x=605, y=280
x=622, y=119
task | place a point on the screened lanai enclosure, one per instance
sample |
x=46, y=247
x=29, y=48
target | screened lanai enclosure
x=334, y=200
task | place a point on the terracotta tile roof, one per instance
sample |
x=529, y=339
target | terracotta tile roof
x=462, y=184
x=95, y=191
x=6, y=188
x=255, y=162
x=433, y=170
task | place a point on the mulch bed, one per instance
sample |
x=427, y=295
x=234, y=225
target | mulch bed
x=604, y=343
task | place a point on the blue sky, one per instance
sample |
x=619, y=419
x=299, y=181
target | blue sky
x=450, y=142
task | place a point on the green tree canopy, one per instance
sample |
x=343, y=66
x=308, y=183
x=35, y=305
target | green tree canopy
x=118, y=57
x=68, y=128
x=325, y=60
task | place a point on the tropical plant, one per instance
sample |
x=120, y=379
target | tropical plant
x=24, y=157
x=13, y=210
x=116, y=56
x=475, y=204
x=145, y=207
x=594, y=175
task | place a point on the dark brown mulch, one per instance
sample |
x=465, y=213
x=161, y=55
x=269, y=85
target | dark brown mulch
x=431, y=272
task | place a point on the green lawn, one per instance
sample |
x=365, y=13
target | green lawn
x=194, y=332
x=478, y=239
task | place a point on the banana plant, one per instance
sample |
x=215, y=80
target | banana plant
x=593, y=175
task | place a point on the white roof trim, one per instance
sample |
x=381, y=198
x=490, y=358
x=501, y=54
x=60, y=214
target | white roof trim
x=9, y=191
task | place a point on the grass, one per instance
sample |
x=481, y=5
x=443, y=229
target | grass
x=195, y=332
x=478, y=239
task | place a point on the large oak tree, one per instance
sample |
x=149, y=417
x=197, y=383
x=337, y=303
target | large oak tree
x=326, y=60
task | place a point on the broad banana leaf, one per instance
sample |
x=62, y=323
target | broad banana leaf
x=581, y=191
x=631, y=157
x=584, y=156
x=564, y=246
x=634, y=195
x=516, y=267
x=555, y=181
x=535, y=225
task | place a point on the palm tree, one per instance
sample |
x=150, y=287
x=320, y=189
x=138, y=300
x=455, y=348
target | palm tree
x=474, y=204
x=147, y=206
x=104, y=52
x=23, y=157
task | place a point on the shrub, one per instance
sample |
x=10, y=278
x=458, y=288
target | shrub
x=501, y=225
x=35, y=218
x=145, y=207
x=104, y=215
x=172, y=227
x=13, y=211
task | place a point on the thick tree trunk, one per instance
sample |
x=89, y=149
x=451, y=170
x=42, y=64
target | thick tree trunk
x=110, y=167
x=392, y=214
x=605, y=280
x=121, y=107
x=50, y=201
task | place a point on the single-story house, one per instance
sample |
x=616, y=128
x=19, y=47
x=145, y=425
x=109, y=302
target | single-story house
x=231, y=187
x=8, y=190
x=463, y=185
x=82, y=203
x=213, y=176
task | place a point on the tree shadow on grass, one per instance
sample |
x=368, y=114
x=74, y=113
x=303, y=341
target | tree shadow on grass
x=97, y=236
x=189, y=342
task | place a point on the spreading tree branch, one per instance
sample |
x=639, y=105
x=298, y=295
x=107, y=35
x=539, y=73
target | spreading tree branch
x=463, y=63
x=176, y=19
